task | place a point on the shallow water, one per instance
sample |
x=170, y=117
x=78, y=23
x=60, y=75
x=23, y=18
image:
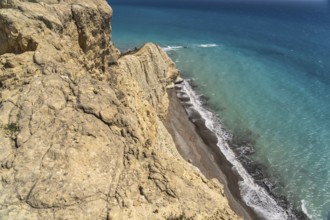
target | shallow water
x=265, y=73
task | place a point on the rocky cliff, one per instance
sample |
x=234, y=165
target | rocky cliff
x=81, y=127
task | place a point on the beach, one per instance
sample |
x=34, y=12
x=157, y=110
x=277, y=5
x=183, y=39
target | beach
x=198, y=145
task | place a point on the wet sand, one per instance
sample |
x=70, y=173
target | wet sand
x=198, y=145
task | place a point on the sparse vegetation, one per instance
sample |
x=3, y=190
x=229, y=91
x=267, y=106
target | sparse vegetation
x=12, y=127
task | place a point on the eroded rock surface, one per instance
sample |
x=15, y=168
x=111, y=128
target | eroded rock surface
x=81, y=132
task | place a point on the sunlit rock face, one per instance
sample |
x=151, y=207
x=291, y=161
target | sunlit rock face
x=82, y=135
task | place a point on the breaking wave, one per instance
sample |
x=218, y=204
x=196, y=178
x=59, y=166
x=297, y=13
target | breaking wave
x=171, y=48
x=207, y=45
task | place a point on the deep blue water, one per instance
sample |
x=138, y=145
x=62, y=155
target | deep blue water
x=266, y=72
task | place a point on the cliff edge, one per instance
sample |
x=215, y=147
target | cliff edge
x=81, y=126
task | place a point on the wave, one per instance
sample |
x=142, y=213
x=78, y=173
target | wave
x=171, y=48
x=304, y=209
x=252, y=194
x=207, y=45
x=174, y=47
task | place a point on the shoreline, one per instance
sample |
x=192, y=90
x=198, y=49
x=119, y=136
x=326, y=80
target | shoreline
x=198, y=145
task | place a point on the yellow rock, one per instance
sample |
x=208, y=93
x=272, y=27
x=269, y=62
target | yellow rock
x=91, y=142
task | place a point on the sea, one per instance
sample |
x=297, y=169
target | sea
x=259, y=73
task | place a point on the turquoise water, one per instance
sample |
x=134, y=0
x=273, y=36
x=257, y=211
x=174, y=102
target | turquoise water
x=265, y=73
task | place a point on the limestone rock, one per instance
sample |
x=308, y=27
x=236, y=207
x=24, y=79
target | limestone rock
x=81, y=131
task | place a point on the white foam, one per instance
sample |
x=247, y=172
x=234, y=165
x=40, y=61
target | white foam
x=252, y=194
x=207, y=45
x=171, y=48
x=304, y=209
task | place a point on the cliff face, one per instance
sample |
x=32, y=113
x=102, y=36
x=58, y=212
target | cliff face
x=81, y=131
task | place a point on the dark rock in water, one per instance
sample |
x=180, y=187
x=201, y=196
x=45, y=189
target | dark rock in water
x=244, y=137
x=204, y=99
x=194, y=86
x=299, y=215
x=191, y=82
x=238, y=142
x=184, y=98
x=178, y=87
x=246, y=149
x=256, y=170
x=208, y=136
x=269, y=185
x=194, y=115
x=187, y=105
x=180, y=93
x=257, y=174
x=199, y=123
x=281, y=200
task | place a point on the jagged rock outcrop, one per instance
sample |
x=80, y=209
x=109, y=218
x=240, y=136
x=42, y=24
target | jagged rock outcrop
x=81, y=132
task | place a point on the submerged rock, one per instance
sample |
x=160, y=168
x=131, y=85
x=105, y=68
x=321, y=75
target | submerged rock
x=90, y=142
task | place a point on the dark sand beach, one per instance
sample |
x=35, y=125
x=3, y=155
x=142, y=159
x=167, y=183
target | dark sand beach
x=198, y=145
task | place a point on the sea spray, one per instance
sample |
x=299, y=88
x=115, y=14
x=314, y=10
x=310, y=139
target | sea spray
x=171, y=48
